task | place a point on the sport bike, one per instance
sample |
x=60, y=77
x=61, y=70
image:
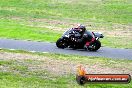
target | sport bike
x=70, y=40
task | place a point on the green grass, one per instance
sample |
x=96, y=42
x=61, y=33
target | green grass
x=16, y=73
x=109, y=11
x=35, y=20
x=117, y=42
x=11, y=29
x=8, y=80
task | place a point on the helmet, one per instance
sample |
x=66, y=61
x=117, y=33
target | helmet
x=81, y=28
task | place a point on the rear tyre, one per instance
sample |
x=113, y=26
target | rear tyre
x=94, y=46
x=61, y=43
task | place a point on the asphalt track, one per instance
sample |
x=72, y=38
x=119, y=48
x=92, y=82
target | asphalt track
x=45, y=47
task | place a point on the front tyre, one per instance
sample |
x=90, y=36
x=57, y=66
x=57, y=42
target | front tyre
x=94, y=46
x=61, y=43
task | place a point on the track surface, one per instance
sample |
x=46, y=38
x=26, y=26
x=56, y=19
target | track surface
x=51, y=48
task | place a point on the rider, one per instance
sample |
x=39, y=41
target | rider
x=82, y=30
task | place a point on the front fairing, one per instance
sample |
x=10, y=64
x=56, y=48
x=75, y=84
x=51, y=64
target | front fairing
x=72, y=33
x=66, y=33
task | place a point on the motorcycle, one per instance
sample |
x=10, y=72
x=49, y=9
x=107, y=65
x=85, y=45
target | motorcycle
x=69, y=40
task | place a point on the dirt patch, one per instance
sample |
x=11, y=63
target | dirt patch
x=58, y=25
x=61, y=67
x=116, y=33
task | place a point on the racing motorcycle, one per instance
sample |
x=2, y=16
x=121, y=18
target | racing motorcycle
x=69, y=40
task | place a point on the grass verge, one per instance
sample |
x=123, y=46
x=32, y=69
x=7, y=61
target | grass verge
x=21, y=69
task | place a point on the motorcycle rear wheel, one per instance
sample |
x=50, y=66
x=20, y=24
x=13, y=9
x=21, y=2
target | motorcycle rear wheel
x=94, y=46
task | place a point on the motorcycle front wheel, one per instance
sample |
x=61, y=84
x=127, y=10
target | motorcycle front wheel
x=61, y=43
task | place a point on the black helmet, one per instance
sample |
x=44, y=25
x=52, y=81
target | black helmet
x=82, y=28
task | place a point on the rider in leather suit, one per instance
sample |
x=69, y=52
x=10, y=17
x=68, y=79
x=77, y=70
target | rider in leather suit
x=84, y=33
